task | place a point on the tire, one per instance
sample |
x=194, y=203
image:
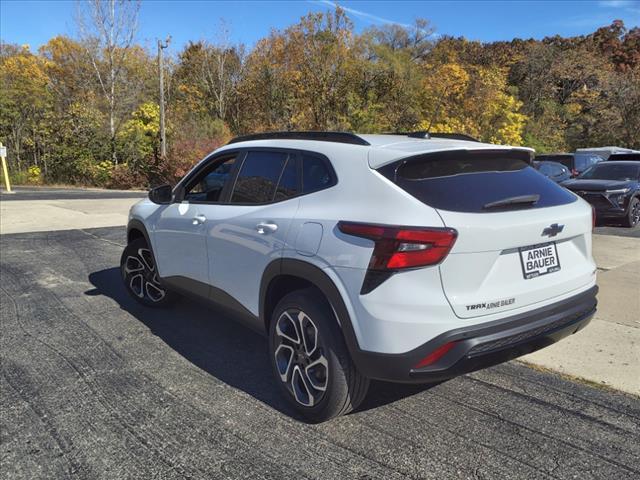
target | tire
x=316, y=375
x=140, y=277
x=633, y=215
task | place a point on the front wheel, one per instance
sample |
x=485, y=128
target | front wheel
x=633, y=215
x=310, y=360
x=140, y=275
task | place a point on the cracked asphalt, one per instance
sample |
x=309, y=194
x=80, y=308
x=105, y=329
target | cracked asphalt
x=96, y=386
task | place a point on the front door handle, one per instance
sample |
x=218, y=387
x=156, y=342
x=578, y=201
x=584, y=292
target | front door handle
x=264, y=228
x=199, y=219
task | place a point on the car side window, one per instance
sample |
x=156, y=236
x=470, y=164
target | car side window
x=288, y=184
x=258, y=177
x=208, y=186
x=316, y=175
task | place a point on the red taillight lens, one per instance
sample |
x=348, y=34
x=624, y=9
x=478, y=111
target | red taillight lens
x=403, y=247
x=436, y=355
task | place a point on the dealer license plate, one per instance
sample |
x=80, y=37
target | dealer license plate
x=539, y=259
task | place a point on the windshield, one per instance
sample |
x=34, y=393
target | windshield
x=608, y=171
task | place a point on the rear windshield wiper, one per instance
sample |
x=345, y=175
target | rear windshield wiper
x=506, y=202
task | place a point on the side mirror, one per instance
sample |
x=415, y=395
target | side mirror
x=161, y=195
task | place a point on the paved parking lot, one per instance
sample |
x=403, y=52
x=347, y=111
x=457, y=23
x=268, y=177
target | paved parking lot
x=96, y=386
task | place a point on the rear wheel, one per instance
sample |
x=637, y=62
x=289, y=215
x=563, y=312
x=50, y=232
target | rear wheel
x=633, y=215
x=310, y=359
x=140, y=275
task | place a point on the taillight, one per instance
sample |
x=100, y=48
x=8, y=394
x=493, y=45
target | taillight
x=397, y=248
x=574, y=172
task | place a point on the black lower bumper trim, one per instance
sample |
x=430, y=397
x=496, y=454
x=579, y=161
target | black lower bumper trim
x=484, y=345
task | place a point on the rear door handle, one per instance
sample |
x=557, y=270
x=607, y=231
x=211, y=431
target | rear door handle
x=199, y=219
x=264, y=228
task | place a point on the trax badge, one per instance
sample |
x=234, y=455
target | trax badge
x=552, y=230
x=494, y=304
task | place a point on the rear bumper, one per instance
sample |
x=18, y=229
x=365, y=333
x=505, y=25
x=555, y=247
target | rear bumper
x=484, y=345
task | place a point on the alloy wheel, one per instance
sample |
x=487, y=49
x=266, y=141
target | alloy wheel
x=635, y=214
x=141, y=276
x=299, y=357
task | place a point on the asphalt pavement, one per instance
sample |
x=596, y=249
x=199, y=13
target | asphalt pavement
x=96, y=386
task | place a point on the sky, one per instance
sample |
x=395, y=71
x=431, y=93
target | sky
x=34, y=22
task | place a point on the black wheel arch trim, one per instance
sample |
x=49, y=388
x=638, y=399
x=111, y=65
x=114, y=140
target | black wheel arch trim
x=135, y=224
x=319, y=279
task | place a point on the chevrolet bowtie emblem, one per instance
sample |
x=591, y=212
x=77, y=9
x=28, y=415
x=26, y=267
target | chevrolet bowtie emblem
x=552, y=230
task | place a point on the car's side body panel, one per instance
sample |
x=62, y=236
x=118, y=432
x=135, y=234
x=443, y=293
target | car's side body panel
x=238, y=252
x=180, y=244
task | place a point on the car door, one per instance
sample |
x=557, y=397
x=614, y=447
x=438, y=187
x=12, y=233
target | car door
x=179, y=237
x=250, y=231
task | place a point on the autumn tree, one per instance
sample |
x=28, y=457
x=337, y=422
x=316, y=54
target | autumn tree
x=24, y=100
x=84, y=110
x=108, y=28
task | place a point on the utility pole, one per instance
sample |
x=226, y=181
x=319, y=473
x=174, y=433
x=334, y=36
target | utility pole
x=163, y=135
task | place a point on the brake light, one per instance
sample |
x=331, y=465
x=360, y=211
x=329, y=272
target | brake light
x=397, y=248
x=436, y=355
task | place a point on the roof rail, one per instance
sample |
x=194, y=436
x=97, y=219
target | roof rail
x=427, y=135
x=337, y=137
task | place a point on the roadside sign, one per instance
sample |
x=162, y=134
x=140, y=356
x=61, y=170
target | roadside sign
x=5, y=172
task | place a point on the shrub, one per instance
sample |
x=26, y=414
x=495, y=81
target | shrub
x=122, y=177
x=34, y=175
x=102, y=173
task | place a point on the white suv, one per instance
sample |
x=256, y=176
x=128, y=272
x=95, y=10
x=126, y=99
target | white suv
x=405, y=258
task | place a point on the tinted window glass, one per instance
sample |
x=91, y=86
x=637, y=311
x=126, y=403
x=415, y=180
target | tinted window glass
x=468, y=181
x=208, y=186
x=288, y=184
x=612, y=171
x=566, y=160
x=584, y=161
x=315, y=174
x=624, y=156
x=258, y=177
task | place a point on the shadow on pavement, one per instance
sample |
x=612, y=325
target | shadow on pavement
x=208, y=337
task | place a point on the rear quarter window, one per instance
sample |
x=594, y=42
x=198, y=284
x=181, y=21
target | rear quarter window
x=316, y=174
x=467, y=181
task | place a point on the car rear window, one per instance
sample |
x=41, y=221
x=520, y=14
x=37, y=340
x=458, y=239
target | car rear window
x=584, y=161
x=468, y=181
